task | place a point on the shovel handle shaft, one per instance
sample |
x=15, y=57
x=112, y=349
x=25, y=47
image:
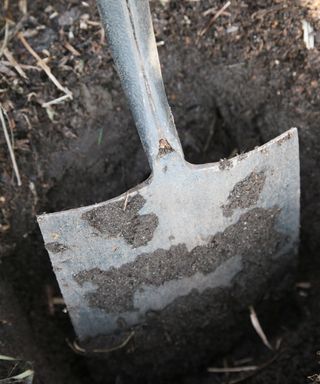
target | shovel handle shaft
x=129, y=29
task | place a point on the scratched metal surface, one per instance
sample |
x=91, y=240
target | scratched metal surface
x=189, y=202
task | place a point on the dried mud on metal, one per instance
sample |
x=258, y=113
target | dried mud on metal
x=245, y=193
x=122, y=218
x=252, y=237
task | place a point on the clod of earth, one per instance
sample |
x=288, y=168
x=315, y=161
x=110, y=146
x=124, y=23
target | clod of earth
x=118, y=219
x=55, y=247
x=245, y=193
x=225, y=164
x=285, y=138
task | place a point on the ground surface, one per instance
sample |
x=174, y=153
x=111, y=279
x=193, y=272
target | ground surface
x=232, y=86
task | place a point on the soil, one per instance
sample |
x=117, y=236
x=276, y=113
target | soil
x=246, y=79
x=122, y=219
x=161, y=266
x=245, y=193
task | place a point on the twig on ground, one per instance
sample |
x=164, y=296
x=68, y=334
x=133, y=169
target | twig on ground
x=28, y=373
x=94, y=23
x=58, y=100
x=126, y=202
x=209, y=11
x=253, y=368
x=14, y=63
x=214, y=18
x=23, y=66
x=252, y=374
x=16, y=29
x=308, y=34
x=5, y=39
x=6, y=135
x=213, y=10
x=9, y=34
x=244, y=368
x=257, y=327
x=6, y=71
x=78, y=349
x=41, y=63
x=314, y=378
x=303, y=285
x=102, y=36
x=23, y=6
x=263, y=12
x=71, y=49
x=243, y=361
x=115, y=348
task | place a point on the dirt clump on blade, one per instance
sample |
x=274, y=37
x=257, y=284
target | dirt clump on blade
x=122, y=218
x=245, y=193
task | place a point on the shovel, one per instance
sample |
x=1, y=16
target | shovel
x=186, y=247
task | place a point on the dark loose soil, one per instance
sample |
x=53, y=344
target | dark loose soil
x=247, y=79
x=245, y=193
x=122, y=219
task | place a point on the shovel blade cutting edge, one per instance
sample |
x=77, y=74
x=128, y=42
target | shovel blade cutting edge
x=169, y=246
